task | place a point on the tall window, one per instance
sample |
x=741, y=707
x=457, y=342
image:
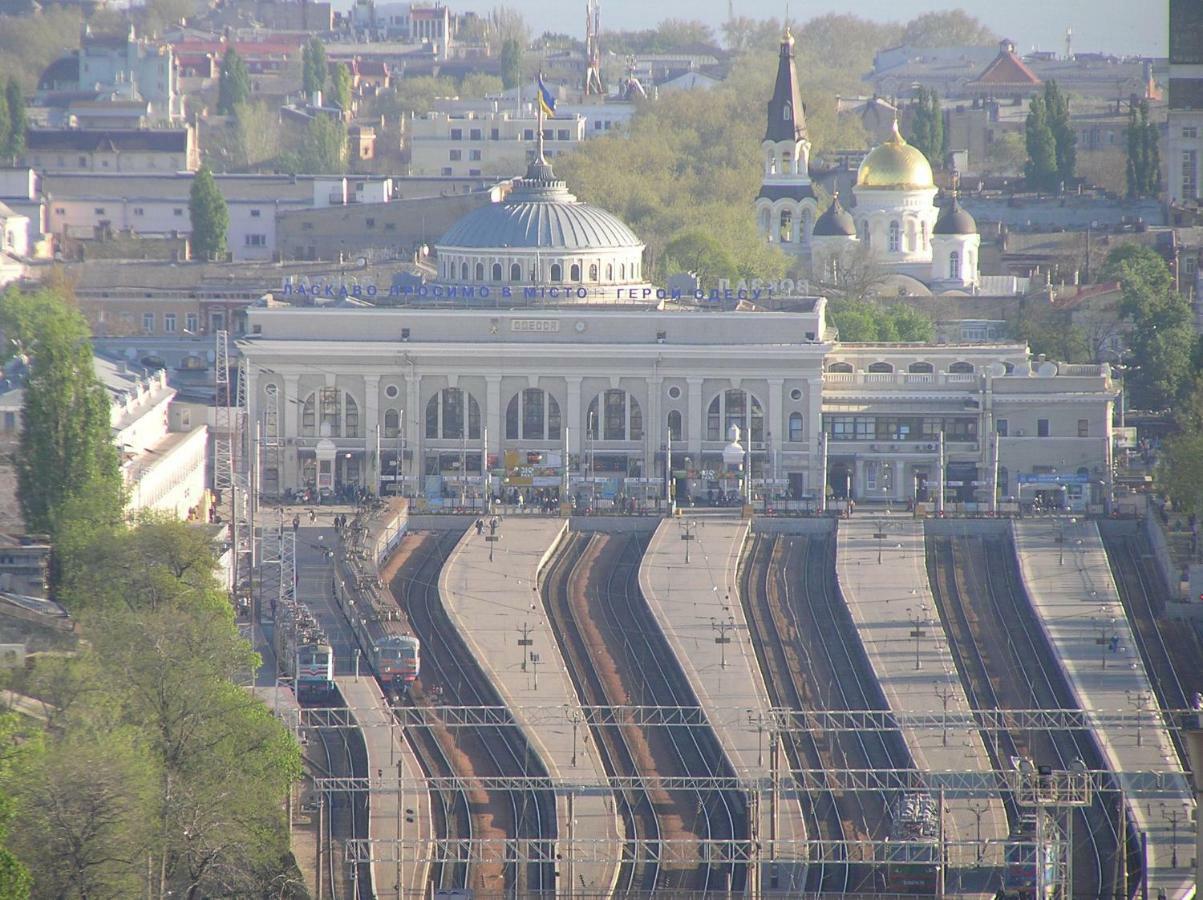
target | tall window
x=734, y=407
x=480, y=271
x=674, y=425
x=574, y=273
x=556, y=272
x=497, y=271
x=795, y=427
x=615, y=415
x=515, y=272
x=445, y=415
x=532, y=414
x=895, y=243
x=463, y=271
x=785, y=230
x=392, y=423
x=330, y=412
x=1190, y=174
x=954, y=265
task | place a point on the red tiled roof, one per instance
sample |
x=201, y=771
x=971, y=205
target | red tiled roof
x=1007, y=70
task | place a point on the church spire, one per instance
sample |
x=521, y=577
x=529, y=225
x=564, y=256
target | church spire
x=787, y=119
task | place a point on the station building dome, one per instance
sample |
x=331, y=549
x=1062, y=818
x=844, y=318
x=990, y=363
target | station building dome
x=541, y=235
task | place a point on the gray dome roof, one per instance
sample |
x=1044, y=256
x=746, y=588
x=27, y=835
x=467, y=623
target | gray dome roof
x=835, y=221
x=954, y=220
x=540, y=213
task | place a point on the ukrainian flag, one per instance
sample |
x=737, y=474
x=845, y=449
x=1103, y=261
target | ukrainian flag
x=547, y=100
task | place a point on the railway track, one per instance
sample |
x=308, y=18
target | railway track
x=342, y=814
x=617, y=656
x=811, y=658
x=420, y=564
x=1171, y=650
x=451, y=676
x=1004, y=661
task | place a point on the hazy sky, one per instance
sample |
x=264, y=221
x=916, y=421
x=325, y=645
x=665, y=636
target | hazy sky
x=1107, y=25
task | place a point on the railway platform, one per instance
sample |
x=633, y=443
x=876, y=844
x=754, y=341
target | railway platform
x=1069, y=582
x=491, y=592
x=691, y=588
x=393, y=816
x=882, y=572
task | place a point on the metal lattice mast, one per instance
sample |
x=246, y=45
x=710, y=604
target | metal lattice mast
x=269, y=572
x=240, y=440
x=288, y=567
x=223, y=451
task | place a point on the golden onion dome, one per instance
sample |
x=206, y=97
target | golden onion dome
x=895, y=165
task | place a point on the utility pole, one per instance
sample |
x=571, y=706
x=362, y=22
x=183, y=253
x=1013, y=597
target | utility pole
x=723, y=639
x=688, y=537
x=945, y=692
x=917, y=632
x=524, y=642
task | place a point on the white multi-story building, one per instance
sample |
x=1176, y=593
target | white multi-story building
x=1185, y=102
x=485, y=140
x=163, y=451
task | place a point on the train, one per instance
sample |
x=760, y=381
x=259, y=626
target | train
x=1020, y=862
x=916, y=820
x=303, y=652
x=393, y=653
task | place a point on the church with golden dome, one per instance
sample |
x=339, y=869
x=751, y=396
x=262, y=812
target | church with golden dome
x=894, y=220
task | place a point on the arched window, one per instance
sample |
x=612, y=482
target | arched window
x=921, y=368
x=880, y=367
x=392, y=423
x=622, y=272
x=532, y=415
x=840, y=367
x=787, y=112
x=445, y=415
x=910, y=236
x=923, y=235
x=463, y=271
x=785, y=227
x=515, y=272
x=795, y=427
x=614, y=415
x=480, y=271
x=764, y=221
x=497, y=271
x=895, y=238
x=556, y=272
x=954, y=265
x=574, y=273
x=593, y=271
x=609, y=271
x=961, y=368
x=734, y=407
x=674, y=425
x=330, y=412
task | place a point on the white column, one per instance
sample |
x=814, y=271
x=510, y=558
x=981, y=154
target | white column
x=572, y=417
x=493, y=413
x=778, y=428
x=414, y=421
x=290, y=402
x=371, y=421
x=653, y=425
x=694, y=430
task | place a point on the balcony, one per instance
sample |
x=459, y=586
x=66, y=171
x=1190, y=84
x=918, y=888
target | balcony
x=900, y=379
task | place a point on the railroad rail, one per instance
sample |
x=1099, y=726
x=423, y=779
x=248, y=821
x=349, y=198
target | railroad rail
x=450, y=673
x=613, y=649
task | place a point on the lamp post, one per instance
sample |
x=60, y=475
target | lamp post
x=917, y=632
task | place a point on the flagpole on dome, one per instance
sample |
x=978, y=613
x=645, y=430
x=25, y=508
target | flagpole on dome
x=539, y=110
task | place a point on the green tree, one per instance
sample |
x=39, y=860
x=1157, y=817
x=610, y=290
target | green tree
x=1181, y=470
x=1065, y=140
x=511, y=63
x=15, y=746
x=65, y=450
x=324, y=147
x=313, y=66
x=1162, y=338
x=210, y=217
x=1143, y=172
x=5, y=127
x=15, y=101
x=865, y=320
x=694, y=250
x=476, y=85
x=1041, y=168
x=928, y=126
x=340, y=87
x=234, y=83
x=949, y=28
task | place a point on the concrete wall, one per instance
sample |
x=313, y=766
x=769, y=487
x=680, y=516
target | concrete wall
x=819, y=525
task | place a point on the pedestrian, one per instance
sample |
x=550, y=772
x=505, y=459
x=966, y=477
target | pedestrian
x=296, y=523
x=480, y=526
x=312, y=517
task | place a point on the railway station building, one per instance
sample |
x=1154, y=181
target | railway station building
x=537, y=336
